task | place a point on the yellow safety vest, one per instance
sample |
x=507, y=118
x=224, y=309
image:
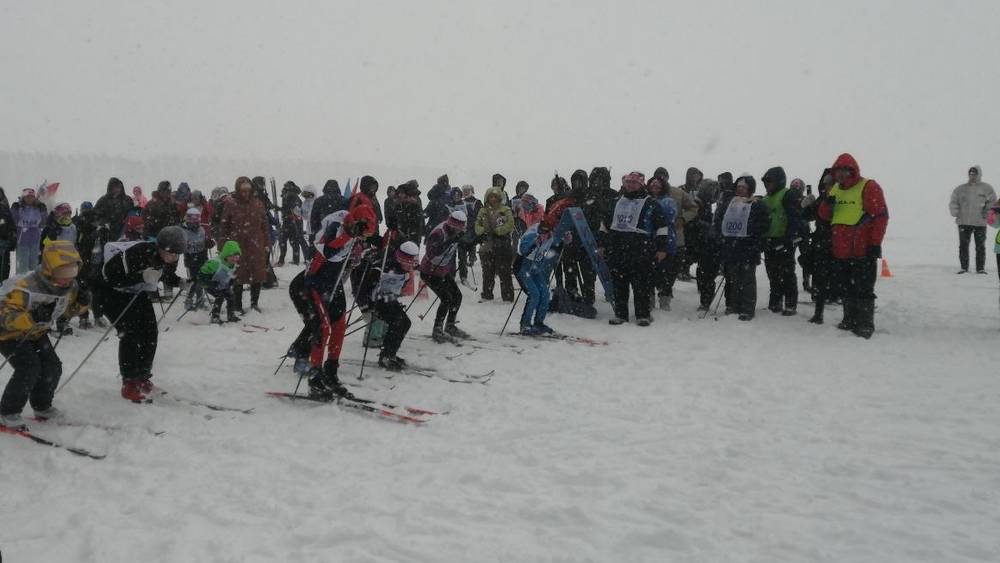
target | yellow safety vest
x=850, y=205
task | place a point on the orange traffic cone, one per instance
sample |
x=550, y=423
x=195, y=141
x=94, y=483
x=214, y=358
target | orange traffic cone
x=885, y=269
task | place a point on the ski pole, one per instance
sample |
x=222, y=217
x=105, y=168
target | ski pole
x=722, y=292
x=511, y=313
x=364, y=355
x=103, y=336
x=21, y=341
x=429, y=308
x=419, y=291
x=718, y=289
x=172, y=301
x=283, y=358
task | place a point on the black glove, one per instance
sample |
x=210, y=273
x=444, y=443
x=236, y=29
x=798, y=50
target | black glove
x=375, y=240
x=43, y=313
x=874, y=251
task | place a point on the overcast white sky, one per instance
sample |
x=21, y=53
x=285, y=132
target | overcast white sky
x=911, y=88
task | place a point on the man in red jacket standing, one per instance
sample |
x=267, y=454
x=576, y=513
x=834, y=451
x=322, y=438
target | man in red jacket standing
x=855, y=207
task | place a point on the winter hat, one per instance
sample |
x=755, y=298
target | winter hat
x=172, y=239
x=28, y=192
x=86, y=206
x=163, y=187
x=183, y=194
x=634, y=176
x=776, y=175
x=521, y=187
x=797, y=184
x=499, y=180
x=194, y=212
x=115, y=183
x=309, y=189
x=456, y=220
x=60, y=260
x=331, y=187
x=443, y=180
x=662, y=174
x=407, y=253
x=468, y=190
x=134, y=224
x=528, y=202
x=977, y=169
x=63, y=208
x=410, y=188
x=369, y=185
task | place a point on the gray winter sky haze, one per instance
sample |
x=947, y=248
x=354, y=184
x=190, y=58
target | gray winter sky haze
x=523, y=87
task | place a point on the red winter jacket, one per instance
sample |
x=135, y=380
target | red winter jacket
x=555, y=213
x=853, y=241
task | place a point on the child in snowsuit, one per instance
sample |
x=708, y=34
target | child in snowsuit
x=535, y=251
x=60, y=226
x=216, y=278
x=30, y=303
x=195, y=256
x=437, y=270
x=380, y=292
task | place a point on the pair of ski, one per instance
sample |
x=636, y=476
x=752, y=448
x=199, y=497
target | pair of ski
x=387, y=411
x=428, y=372
x=28, y=434
x=560, y=336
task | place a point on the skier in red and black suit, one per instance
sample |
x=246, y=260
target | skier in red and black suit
x=634, y=234
x=324, y=289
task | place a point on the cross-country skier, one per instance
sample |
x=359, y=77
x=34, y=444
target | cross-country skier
x=323, y=286
x=380, y=292
x=216, y=277
x=437, y=270
x=534, y=264
x=29, y=305
x=131, y=272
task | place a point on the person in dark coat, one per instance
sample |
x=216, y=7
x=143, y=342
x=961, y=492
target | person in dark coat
x=467, y=246
x=408, y=214
x=437, y=209
x=635, y=235
x=291, y=224
x=245, y=221
x=160, y=213
x=8, y=236
x=113, y=207
x=785, y=207
x=742, y=221
x=331, y=201
x=820, y=254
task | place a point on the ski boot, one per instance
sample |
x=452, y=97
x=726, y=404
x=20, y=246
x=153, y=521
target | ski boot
x=544, y=328
x=440, y=336
x=644, y=321
x=324, y=384
x=529, y=330
x=453, y=330
x=231, y=316
x=132, y=390
x=13, y=421
x=51, y=413
x=616, y=321
x=391, y=363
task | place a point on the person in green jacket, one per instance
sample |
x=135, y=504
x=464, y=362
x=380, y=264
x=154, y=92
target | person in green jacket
x=216, y=276
x=785, y=208
x=494, y=223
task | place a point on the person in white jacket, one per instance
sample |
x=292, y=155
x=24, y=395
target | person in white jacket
x=970, y=203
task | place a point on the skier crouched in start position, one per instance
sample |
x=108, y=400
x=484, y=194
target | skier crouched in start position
x=533, y=266
x=130, y=274
x=31, y=304
x=323, y=286
x=216, y=277
x=437, y=270
x=380, y=291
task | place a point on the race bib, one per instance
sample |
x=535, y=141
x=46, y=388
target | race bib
x=736, y=219
x=626, y=217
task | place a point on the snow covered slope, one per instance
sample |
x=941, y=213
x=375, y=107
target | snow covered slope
x=690, y=440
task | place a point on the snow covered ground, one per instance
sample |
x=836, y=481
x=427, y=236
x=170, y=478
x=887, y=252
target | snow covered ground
x=691, y=440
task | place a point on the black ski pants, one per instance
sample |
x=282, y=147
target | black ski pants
x=37, y=370
x=635, y=271
x=965, y=232
x=497, y=263
x=397, y=325
x=291, y=232
x=741, y=287
x=779, y=261
x=137, y=332
x=450, y=296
